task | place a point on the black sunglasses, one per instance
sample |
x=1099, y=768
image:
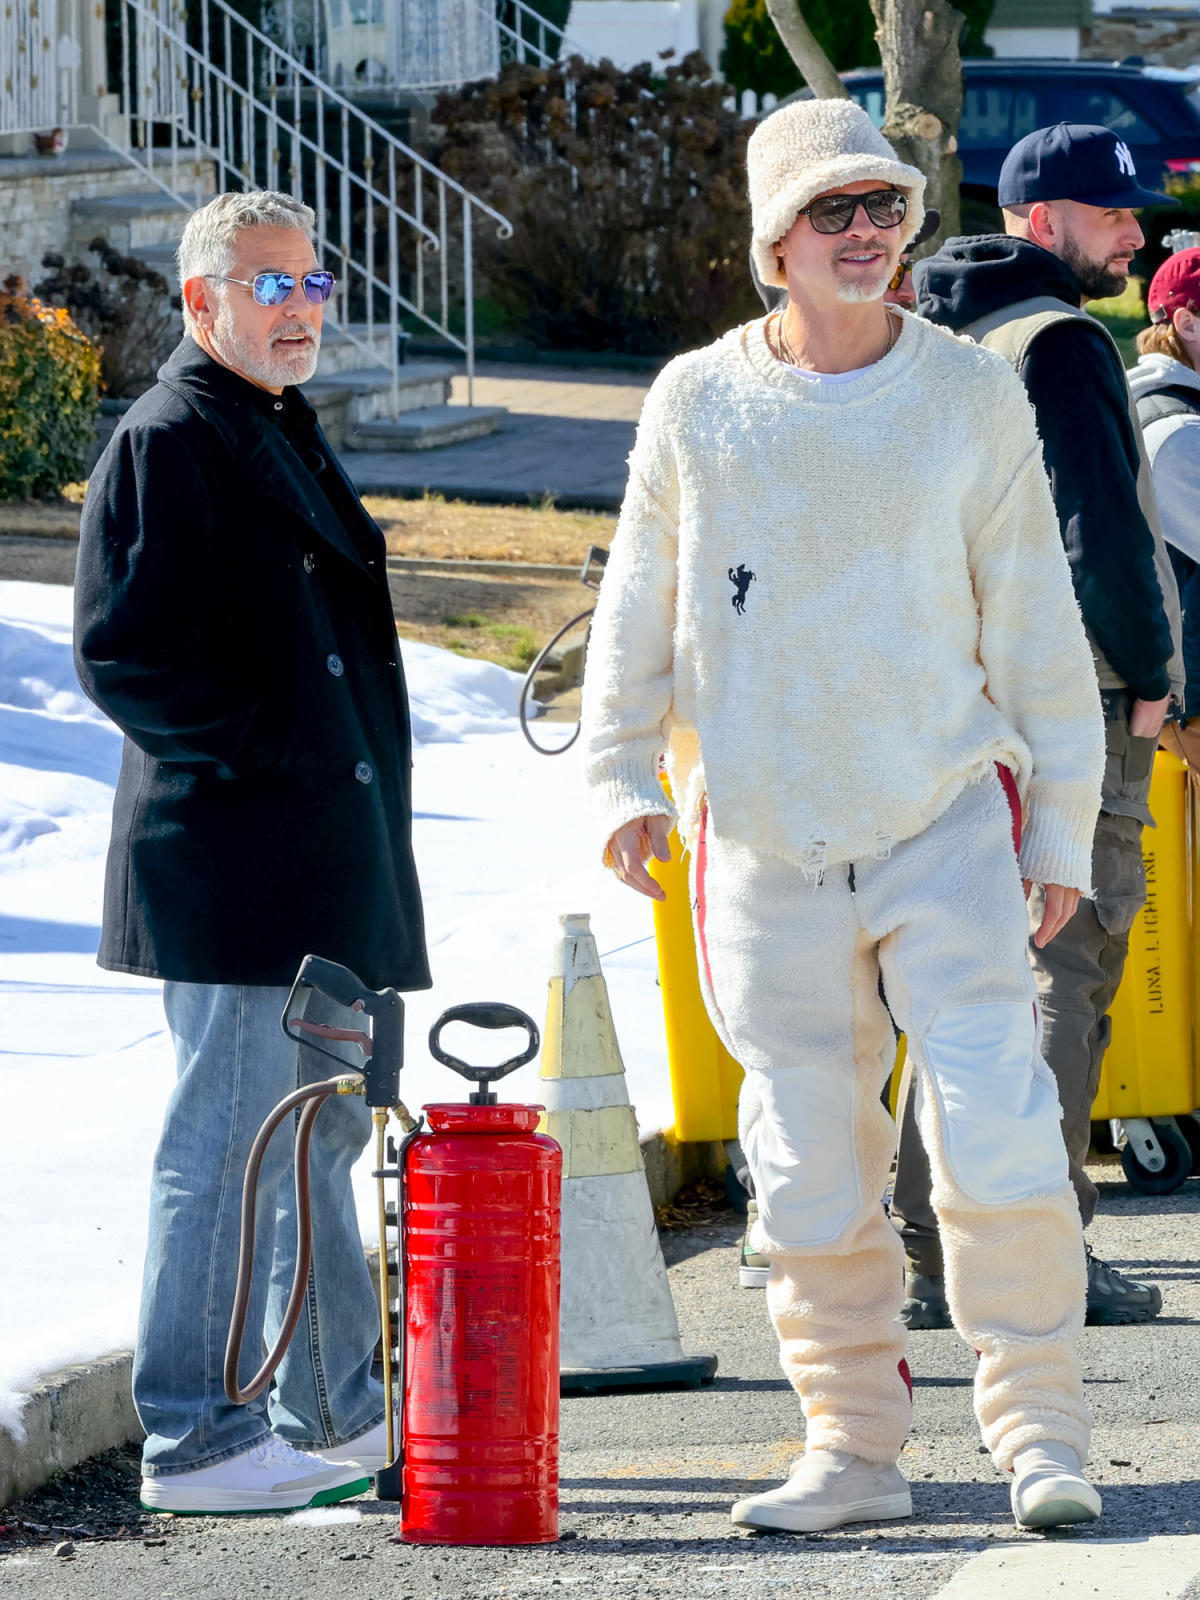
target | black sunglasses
x=273, y=288
x=833, y=213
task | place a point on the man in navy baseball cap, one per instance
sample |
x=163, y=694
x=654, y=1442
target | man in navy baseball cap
x=1076, y=161
x=1070, y=194
x=1073, y=189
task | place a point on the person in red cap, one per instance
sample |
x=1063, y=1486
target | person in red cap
x=1166, y=386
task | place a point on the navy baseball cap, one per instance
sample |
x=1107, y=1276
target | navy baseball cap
x=1074, y=161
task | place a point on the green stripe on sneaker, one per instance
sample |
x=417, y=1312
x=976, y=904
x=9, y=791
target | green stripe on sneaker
x=340, y=1491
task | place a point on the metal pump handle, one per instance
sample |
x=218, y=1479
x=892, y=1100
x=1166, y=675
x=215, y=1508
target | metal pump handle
x=490, y=1014
x=382, y=1046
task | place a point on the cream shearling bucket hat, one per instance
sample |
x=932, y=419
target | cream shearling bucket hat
x=806, y=149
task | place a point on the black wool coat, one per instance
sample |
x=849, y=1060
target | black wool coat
x=238, y=629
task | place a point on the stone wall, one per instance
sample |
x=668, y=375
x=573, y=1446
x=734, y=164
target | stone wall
x=35, y=201
x=1165, y=37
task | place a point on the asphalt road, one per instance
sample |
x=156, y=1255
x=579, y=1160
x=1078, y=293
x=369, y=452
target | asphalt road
x=647, y=1480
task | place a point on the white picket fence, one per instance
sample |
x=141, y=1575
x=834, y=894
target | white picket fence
x=750, y=105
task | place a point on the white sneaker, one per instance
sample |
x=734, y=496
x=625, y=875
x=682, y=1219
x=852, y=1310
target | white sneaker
x=1049, y=1489
x=369, y=1450
x=826, y=1489
x=271, y=1476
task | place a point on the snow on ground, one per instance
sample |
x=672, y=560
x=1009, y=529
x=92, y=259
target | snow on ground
x=504, y=844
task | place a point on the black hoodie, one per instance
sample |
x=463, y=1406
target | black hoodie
x=1078, y=389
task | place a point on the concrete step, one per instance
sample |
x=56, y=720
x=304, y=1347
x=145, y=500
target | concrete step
x=420, y=384
x=162, y=258
x=427, y=429
x=341, y=353
x=128, y=221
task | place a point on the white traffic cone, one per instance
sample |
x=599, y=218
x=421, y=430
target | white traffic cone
x=618, y=1326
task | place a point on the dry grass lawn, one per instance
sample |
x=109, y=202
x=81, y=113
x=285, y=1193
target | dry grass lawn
x=454, y=530
x=506, y=620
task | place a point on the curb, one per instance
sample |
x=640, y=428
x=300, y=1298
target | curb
x=79, y=1411
x=70, y=1415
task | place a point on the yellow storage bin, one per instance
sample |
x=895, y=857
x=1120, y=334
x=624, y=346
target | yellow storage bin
x=704, y=1077
x=1150, y=1069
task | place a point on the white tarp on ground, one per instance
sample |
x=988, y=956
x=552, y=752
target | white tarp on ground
x=504, y=844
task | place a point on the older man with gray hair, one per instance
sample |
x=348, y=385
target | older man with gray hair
x=233, y=618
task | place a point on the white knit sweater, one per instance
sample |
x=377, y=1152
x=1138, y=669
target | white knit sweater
x=910, y=619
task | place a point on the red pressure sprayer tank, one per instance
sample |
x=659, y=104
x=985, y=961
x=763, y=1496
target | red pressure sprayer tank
x=479, y=1249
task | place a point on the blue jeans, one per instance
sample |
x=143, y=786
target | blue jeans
x=234, y=1065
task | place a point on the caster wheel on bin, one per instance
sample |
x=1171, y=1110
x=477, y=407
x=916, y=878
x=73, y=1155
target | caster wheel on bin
x=1103, y=1142
x=1178, y=1152
x=1190, y=1128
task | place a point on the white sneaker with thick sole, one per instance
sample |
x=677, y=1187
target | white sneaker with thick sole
x=826, y=1489
x=1049, y=1489
x=271, y=1476
x=369, y=1450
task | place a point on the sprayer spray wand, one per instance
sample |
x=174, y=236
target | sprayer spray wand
x=379, y=1083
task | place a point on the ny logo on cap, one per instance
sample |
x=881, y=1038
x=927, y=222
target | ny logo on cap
x=1125, y=159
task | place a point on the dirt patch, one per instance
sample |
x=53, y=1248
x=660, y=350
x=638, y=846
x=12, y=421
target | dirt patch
x=455, y=530
x=96, y=1500
x=492, y=619
x=50, y=519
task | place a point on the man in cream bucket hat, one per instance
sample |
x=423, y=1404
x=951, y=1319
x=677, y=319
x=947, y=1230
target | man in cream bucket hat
x=837, y=603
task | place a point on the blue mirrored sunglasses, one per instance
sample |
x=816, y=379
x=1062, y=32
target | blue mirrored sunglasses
x=273, y=288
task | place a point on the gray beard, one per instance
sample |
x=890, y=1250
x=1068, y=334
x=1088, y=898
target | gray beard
x=861, y=293
x=277, y=370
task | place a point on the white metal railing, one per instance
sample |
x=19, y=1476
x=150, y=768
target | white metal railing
x=206, y=86
x=525, y=35
x=39, y=69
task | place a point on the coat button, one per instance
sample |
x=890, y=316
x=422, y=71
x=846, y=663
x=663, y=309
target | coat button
x=310, y=561
x=363, y=772
x=335, y=665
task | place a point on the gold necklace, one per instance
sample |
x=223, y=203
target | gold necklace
x=785, y=353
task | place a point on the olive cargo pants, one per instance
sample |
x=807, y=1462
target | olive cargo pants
x=1077, y=975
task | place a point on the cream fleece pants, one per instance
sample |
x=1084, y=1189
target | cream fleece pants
x=790, y=968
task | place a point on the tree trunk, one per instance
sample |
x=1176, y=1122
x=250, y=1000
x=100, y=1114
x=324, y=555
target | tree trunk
x=801, y=44
x=923, y=84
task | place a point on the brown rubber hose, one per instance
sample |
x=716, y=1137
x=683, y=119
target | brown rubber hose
x=317, y=1094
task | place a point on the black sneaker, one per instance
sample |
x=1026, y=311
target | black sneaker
x=1113, y=1299
x=924, y=1301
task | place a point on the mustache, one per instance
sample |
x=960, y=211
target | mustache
x=859, y=249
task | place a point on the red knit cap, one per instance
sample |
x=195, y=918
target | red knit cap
x=1175, y=286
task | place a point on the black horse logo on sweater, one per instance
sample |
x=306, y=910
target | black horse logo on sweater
x=741, y=581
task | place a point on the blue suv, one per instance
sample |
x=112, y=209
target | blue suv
x=1156, y=110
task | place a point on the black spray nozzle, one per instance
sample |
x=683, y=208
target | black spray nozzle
x=485, y=1014
x=382, y=1043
